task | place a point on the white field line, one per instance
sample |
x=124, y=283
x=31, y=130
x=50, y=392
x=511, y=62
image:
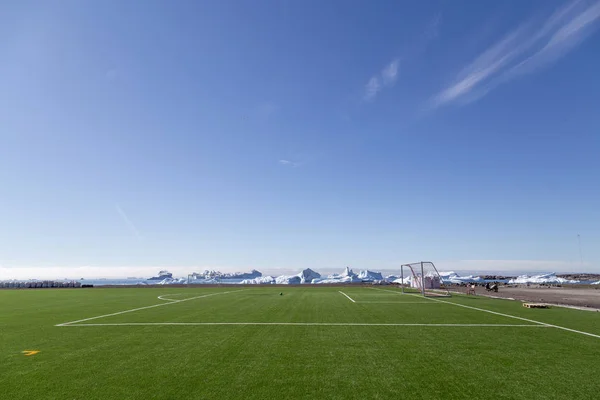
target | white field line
x=147, y=307
x=307, y=324
x=504, y=315
x=163, y=298
x=350, y=298
x=394, y=302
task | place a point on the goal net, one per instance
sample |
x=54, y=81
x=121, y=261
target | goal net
x=422, y=278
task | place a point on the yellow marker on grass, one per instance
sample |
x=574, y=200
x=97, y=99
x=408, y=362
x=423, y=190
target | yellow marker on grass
x=30, y=352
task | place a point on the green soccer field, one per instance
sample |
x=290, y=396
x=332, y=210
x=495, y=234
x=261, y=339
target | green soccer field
x=308, y=343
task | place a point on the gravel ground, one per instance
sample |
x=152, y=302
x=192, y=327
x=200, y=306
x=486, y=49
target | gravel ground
x=584, y=296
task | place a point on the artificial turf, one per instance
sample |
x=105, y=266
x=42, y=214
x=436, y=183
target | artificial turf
x=289, y=361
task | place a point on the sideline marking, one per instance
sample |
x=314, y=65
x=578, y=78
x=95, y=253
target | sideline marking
x=350, y=298
x=30, y=352
x=308, y=324
x=395, y=302
x=147, y=307
x=502, y=314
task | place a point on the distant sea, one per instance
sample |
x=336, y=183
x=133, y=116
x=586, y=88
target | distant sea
x=128, y=281
x=139, y=281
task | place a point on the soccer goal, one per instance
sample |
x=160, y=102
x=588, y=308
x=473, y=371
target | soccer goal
x=422, y=278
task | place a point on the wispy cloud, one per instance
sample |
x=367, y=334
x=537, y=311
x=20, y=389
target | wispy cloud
x=128, y=222
x=571, y=28
x=432, y=29
x=289, y=163
x=390, y=73
x=484, y=66
x=372, y=88
x=523, y=50
x=387, y=77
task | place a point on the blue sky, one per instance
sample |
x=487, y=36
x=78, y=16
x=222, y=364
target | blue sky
x=280, y=135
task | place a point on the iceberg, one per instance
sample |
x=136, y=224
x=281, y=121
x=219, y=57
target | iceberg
x=370, y=276
x=263, y=280
x=209, y=281
x=453, y=277
x=288, y=280
x=162, y=275
x=348, y=276
x=400, y=281
x=212, y=274
x=172, y=281
x=447, y=277
x=447, y=274
x=341, y=279
x=550, y=278
x=308, y=275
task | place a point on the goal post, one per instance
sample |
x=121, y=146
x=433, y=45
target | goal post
x=422, y=278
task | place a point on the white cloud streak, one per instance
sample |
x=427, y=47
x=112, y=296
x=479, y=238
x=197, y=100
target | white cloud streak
x=387, y=77
x=390, y=73
x=525, y=49
x=372, y=88
x=433, y=28
x=128, y=222
x=288, y=163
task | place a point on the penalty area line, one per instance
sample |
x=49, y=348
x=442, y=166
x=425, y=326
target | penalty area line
x=311, y=324
x=147, y=307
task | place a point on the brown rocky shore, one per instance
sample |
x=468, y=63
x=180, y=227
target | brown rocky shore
x=581, y=277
